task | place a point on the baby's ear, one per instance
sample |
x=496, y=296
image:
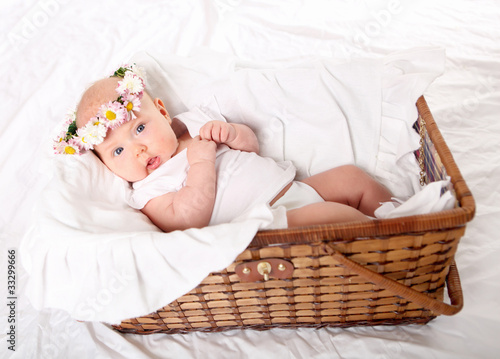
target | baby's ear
x=161, y=107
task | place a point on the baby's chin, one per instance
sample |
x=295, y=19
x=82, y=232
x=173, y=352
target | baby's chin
x=128, y=177
x=133, y=179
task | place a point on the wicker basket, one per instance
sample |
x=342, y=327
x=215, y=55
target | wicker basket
x=388, y=272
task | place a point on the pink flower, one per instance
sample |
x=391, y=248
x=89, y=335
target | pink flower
x=67, y=148
x=112, y=114
x=132, y=103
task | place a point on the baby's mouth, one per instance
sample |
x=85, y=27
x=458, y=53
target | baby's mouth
x=153, y=163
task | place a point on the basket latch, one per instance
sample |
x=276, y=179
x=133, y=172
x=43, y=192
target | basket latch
x=264, y=269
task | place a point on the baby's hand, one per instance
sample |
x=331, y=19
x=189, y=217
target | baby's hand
x=200, y=150
x=218, y=131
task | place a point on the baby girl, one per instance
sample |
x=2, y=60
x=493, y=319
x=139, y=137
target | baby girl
x=196, y=169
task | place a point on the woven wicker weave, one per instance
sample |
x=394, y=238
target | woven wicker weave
x=390, y=271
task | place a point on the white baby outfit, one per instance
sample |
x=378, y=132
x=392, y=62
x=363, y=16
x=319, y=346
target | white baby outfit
x=244, y=179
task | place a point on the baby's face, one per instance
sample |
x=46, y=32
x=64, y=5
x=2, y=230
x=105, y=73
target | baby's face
x=138, y=147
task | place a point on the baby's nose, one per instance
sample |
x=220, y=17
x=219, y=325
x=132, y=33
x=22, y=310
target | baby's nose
x=140, y=149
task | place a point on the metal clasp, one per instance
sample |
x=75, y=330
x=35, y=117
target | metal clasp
x=264, y=268
x=275, y=268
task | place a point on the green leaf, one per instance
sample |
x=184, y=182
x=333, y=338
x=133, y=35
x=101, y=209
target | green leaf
x=72, y=129
x=120, y=72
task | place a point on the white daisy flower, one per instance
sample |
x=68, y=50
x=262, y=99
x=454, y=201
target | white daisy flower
x=132, y=102
x=67, y=148
x=70, y=116
x=91, y=134
x=139, y=71
x=112, y=114
x=131, y=83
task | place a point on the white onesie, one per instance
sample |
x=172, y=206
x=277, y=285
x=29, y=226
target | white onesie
x=244, y=179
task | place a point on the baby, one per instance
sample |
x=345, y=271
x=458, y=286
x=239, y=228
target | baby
x=196, y=169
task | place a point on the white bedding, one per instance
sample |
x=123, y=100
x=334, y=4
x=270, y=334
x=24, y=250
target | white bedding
x=53, y=48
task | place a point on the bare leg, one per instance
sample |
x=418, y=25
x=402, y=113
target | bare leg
x=323, y=213
x=351, y=186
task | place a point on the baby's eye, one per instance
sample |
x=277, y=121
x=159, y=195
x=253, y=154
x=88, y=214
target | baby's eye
x=140, y=128
x=118, y=151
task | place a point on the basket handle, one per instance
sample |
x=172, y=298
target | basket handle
x=410, y=294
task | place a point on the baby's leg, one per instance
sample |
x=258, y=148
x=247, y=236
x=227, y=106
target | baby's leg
x=351, y=186
x=323, y=213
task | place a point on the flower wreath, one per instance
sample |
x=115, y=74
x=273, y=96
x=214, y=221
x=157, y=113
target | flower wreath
x=73, y=140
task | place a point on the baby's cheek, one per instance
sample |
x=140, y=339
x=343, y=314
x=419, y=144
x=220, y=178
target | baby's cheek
x=122, y=168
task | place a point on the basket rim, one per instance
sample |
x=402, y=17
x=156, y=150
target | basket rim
x=456, y=217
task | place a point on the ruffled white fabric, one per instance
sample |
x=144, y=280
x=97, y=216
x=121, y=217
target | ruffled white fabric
x=97, y=258
x=406, y=76
x=93, y=256
x=428, y=200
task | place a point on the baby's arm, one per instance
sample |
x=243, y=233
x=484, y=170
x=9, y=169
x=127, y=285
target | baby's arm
x=235, y=135
x=192, y=205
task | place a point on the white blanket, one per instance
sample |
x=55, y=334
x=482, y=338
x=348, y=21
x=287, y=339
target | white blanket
x=91, y=255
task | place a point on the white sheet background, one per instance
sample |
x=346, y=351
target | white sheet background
x=50, y=50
